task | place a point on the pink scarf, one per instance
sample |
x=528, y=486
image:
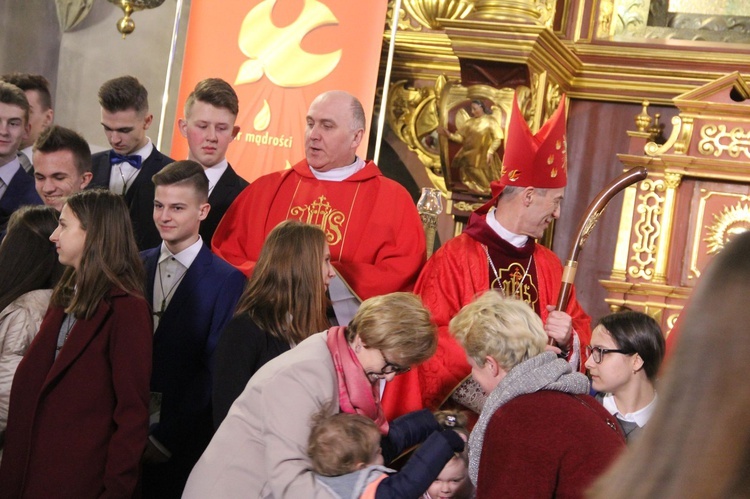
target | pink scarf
x=357, y=395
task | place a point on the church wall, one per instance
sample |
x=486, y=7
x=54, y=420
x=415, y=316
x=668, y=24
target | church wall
x=77, y=62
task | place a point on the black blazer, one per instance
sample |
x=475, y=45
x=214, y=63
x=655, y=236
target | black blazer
x=140, y=195
x=226, y=190
x=20, y=192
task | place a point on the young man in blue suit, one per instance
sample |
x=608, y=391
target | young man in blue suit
x=194, y=294
x=16, y=186
x=127, y=168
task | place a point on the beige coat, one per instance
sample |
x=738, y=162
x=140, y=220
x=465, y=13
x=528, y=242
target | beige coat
x=19, y=323
x=260, y=450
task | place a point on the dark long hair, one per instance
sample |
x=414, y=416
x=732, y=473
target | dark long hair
x=110, y=256
x=28, y=260
x=286, y=293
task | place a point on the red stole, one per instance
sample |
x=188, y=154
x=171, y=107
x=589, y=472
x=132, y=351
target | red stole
x=326, y=204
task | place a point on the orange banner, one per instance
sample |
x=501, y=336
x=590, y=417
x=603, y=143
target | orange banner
x=279, y=55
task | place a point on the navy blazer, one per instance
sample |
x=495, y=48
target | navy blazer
x=184, y=345
x=140, y=195
x=20, y=192
x=225, y=192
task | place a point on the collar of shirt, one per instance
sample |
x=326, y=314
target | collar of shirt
x=517, y=240
x=639, y=417
x=28, y=152
x=9, y=169
x=186, y=256
x=342, y=173
x=215, y=172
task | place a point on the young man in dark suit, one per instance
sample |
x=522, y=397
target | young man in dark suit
x=127, y=168
x=194, y=294
x=41, y=114
x=209, y=126
x=16, y=186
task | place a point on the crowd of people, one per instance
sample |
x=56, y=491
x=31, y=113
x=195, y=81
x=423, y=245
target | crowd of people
x=167, y=330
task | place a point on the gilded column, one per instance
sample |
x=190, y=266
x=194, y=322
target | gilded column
x=672, y=182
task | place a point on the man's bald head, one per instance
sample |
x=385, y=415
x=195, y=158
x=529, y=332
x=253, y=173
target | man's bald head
x=335, y=127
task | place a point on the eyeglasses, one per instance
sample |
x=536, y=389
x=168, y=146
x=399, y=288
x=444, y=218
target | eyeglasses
x=391, y=368
x=597, y=353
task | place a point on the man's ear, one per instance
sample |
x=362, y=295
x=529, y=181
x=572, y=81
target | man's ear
x=235, y=130
x=147, y=121
x=86, y=179
x=528, y=196
x=49, y=117
x=203, y=211
x=182, y=125
x=357, y=138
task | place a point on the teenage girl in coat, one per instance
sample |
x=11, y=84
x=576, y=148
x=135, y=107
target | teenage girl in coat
x=78, y=418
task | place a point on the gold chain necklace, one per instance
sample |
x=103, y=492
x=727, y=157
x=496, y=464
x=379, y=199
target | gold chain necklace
x=165, y=297
x=497, y=276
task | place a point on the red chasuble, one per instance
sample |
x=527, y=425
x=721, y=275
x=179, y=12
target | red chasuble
x=453, y=277
x=372, y=226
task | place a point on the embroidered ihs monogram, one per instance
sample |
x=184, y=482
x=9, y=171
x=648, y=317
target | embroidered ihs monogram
x=321, y=213
x=513, y=281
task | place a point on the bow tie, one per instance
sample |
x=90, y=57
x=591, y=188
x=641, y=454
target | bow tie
x=133, y=160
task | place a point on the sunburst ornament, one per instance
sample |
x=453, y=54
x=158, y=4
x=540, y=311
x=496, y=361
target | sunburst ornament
x=730, y=222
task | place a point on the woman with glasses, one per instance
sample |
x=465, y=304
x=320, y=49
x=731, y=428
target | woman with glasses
x=625, y=353
x=260, y=448
x=539, y=433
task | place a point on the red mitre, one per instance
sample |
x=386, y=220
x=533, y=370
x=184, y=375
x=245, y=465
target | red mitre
x=539, y=160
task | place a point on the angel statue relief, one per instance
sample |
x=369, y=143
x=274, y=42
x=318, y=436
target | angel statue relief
x=480, y=136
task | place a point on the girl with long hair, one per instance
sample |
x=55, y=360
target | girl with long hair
x=78, y=419
x=28, y=271
x=284, y=302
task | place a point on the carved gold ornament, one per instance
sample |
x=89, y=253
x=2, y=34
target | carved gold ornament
x=647, y=229
x=412, y=115
x=469, y=207
x=427, y=12
x=679, y=139
x=717, y=140
x=729, y=223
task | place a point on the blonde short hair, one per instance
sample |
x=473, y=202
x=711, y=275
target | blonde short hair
x=505, y=329
x=397, y=324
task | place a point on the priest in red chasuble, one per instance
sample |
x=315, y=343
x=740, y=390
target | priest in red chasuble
x=373, y=229
x=498, y=250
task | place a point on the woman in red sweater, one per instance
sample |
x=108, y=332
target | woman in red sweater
x=539, y=434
